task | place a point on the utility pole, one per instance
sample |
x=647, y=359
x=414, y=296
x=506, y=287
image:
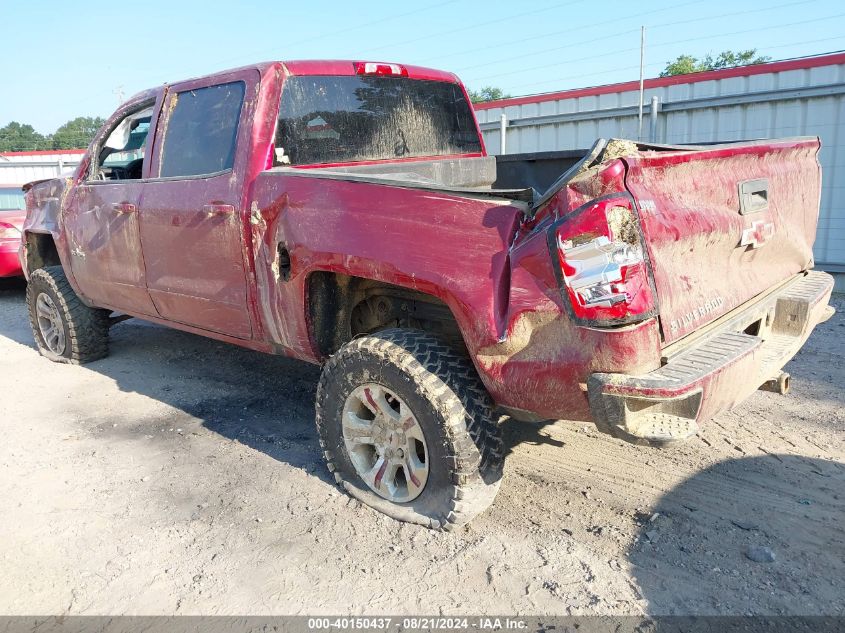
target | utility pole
x=642, y=67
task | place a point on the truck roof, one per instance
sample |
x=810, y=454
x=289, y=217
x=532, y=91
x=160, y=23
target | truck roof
x=313, y=67
x=347, y=67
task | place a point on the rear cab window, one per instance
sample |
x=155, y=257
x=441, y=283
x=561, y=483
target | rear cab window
x=341, y=119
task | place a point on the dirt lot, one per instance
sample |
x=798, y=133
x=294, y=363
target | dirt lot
x=181, y=475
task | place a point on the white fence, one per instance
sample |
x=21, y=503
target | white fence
x=804, y=97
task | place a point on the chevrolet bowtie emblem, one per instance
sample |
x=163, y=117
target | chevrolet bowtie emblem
x=757, y=234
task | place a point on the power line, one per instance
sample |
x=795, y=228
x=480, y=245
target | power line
x=724, y=15
x=548, y=50
x=825, y=39
x=613, y=35
x=310, y=39
x=602, y=24
x=657, y=64
x=683, y=41
x=475, y=25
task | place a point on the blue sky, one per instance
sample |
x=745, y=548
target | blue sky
x=61, y=60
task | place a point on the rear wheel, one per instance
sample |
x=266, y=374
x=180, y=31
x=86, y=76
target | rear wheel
x=65, y=329
x=408, y=429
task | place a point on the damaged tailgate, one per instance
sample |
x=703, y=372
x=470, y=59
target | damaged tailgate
x=723, y=224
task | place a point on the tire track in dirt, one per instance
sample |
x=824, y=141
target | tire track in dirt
x=181, y=475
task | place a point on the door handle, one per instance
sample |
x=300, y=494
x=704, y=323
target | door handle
x=123, y=207
x=218, y=209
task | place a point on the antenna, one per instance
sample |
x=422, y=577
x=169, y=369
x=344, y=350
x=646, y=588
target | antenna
x=642, y=59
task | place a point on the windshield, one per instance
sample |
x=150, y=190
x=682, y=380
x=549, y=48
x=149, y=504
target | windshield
x=355, y=118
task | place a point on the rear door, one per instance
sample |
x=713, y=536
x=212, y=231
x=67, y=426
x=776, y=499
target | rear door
x=723, y=225
x=192, y=220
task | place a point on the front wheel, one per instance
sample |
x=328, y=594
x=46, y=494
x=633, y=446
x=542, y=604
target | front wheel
x=408, y=429
x=65, y=329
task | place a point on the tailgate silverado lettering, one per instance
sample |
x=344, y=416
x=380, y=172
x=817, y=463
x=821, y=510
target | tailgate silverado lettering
x=692, y=318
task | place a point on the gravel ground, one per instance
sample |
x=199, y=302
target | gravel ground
x=182, y=476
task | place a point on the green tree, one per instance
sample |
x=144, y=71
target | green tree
x=77, y=133
x=20, y=137
x=487, y=93
x=726, y=59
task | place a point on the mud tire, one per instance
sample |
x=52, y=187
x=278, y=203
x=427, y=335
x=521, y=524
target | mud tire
x=452, y=407
x=86, y=329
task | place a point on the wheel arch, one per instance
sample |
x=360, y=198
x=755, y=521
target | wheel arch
x=340, y=307
x=39, y=251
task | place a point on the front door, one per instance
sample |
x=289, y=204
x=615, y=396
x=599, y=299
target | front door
x=192, y=220
x=101, y=216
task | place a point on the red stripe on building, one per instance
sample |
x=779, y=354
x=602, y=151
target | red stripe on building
x=660, y=82
x=45, y=152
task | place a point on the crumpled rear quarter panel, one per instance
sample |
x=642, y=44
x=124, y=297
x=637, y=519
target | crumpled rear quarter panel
x=543, y=363
x=452, y=247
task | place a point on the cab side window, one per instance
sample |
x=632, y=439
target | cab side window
x=202, y=131
x=122, y=155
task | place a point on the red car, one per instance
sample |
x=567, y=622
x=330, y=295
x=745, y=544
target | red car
x=11, y=227
x=346, y=213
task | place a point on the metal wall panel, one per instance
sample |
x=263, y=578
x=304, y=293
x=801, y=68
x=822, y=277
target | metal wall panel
x=800, y=102
x=19, y=169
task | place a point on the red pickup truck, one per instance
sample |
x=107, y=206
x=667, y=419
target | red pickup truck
x=346, y=213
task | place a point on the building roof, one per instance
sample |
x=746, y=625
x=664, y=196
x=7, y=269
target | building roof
x=659, y=82
x=45, y=152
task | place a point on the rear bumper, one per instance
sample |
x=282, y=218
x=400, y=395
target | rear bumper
x=715, y=371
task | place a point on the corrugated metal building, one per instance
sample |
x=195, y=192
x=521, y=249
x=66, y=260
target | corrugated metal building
x=789, y=98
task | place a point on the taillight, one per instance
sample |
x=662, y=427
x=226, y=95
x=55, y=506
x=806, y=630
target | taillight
x=9, y=231
x=380, y=68
x=603, y=265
